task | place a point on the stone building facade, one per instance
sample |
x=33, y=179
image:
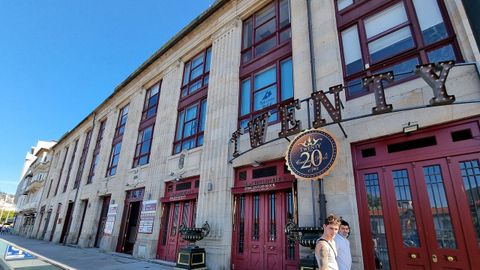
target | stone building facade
x=166, y=147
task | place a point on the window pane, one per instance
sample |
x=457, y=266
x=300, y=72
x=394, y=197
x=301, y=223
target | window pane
x=244, y=123
x=207, y=63
x=178, y=148
x=284, y=12
x=145, y=147
x=246, y=56
x=245, y=106
x=431, y=21
x=408, y=221
x=285, y=35
x=203, y=112
x=200, y=140
x=377, y=224
x=247, y=34
x=195, y=86
x=265, y=97
x=341, y=4
x=355, y=87
x=188, y=144
x=351, y=50
x=439, y=207
x=265, y=46
x=443, y=54
x=154, y=90
x=147, y=134
x=265, y=78
x=190, y=128
x=265, y=30
x=401, y=70
x=265, y=14
x=287, y=79
x=186, y=74
x=180, y=125
x=390, y=44
x=197, y=60
x=196, y=72
x=385, y=20
x=143, y=160
x=191, y=113
x=471, y=182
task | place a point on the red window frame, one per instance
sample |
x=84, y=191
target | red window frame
x=96, y=151
x=200, y=82
x=83, y=158
x=151, y=102
x=117, y=140
x=147, y=122
x=359, y=11
x=138, y=160
x=274, y=56
x=281, y=34
x=189, y=98
x=72, y=158
x=277, y=64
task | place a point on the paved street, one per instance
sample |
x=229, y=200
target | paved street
x=84, y=258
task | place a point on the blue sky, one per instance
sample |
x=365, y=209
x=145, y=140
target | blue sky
x=59, y=59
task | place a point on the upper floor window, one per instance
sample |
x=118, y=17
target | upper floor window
x=117, y=141
x=265, y=30
x=261, y=91
x=96, y=152
x=122, y=121
x=193, y=103
x=142, y=149
x=145, y=129
x=196, y=73
x=151, y=102
x=395, y=38
x=190, y=126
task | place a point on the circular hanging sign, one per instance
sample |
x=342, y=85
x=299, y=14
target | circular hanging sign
x=311, y=154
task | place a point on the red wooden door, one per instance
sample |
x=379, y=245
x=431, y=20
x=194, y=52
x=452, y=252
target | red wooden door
x=419, y=213
x=259, y=240
x=180, y=212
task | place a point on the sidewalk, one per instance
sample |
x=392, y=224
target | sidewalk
x=85, y=258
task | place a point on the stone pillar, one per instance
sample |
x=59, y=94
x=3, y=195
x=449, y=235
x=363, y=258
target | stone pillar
x=216, y=177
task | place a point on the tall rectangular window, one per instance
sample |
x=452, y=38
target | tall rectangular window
x=396, y=37
x=266, y=30
x=61, y=170
x=96, y=152
x=263, y=90
x=266, y=72
x=70, y=166
x=83, y=158
x=193, y=103
x=145, y=129
x=117, y=141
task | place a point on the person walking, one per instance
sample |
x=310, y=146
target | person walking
x=325, y=250
x=344, y=256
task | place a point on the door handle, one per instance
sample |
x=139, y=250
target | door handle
x=413, y=256
x=450, y=258
x=434, y=258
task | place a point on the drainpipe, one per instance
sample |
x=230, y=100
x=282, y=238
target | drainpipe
x=321, y=199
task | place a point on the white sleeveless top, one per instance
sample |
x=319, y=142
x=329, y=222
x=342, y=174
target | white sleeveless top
x=332, y=254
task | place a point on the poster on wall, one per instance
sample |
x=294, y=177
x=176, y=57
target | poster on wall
x=112, y=212
x=147, y=217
